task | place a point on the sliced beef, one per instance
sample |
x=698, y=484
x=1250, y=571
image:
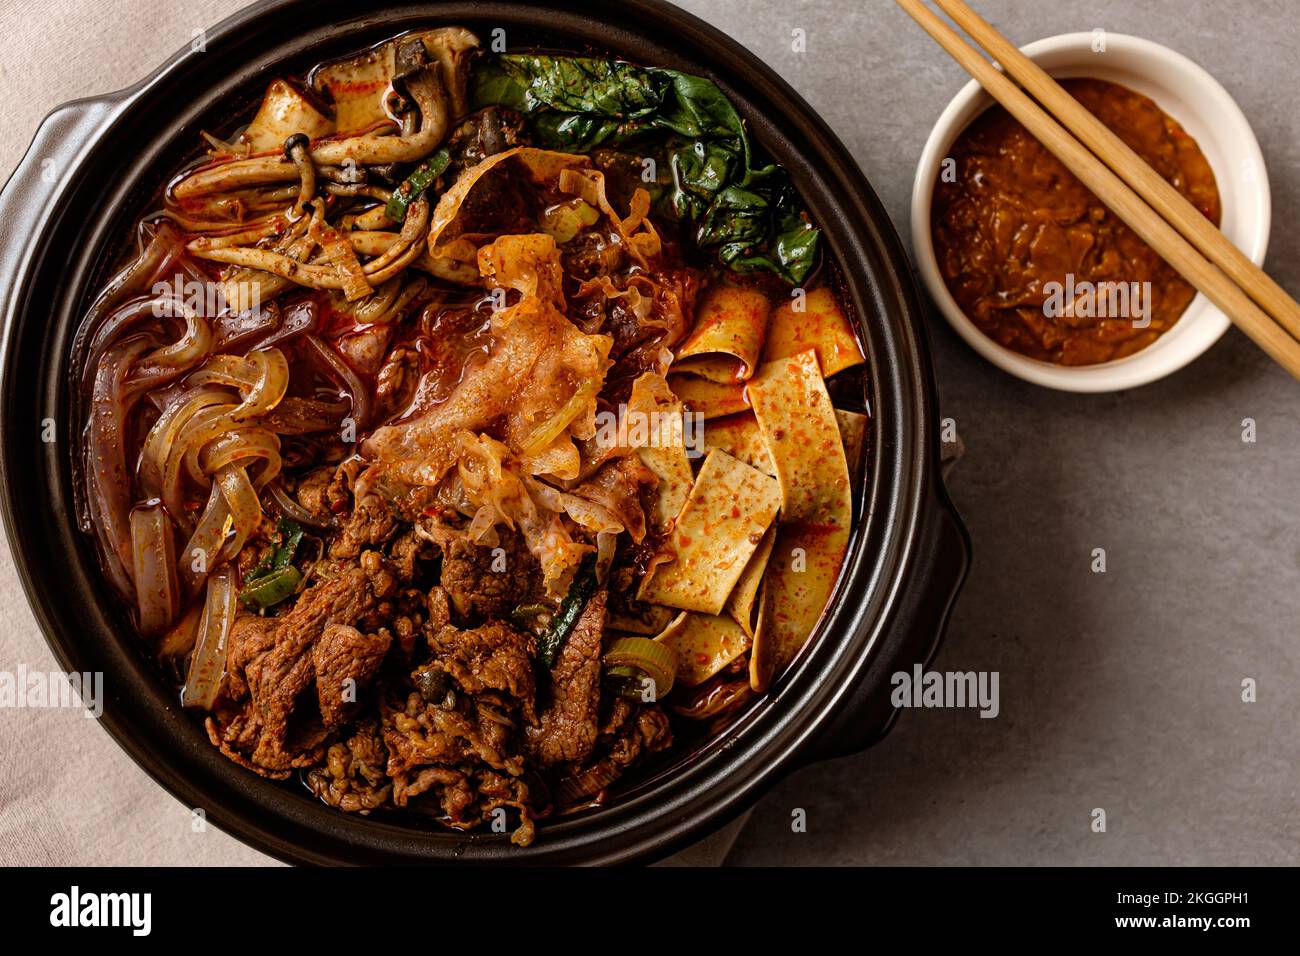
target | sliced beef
x=250, y=637
x=338, y=494
x=373, y=523
x=451, y=732
x=454, y=787
x=494, y=657
x=485, y=583
x=312, y=494
x=497, y=790
x=635, y=729
x=405, y=554
x=628, y=732
x=469, y=798
x=352, y=777
x=345, y=660
x=277, y=677
x=569, y=723
x=439, y=607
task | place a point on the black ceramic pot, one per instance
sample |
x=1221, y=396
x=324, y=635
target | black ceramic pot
x=93, y=168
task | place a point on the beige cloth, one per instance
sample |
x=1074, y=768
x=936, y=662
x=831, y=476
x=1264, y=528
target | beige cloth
x=68, y=795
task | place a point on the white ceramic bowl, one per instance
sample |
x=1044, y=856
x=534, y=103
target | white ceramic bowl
x=1204, y=108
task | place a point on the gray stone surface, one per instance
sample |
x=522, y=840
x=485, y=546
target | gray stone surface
x=1119, y=690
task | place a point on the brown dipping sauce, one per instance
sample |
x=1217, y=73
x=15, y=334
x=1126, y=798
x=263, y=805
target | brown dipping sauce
x=1017, y=220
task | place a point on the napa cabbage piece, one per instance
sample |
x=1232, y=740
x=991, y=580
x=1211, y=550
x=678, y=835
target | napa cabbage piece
x=498, y=492
x=502, y=495
x=537, y=385
x=452, y=232
x=635, y=229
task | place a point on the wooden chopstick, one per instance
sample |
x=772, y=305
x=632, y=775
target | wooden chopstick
x=1168, y=243
x=1130, y=167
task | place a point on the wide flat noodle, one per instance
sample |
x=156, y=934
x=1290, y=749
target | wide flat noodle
x=853, y=430
x=744, y=601
x=798, y=424
x=762, y=650
x=667, y=458
x=704, y=644
x=722, y=523
x=707, y=398
x=647, y=619
x=740, y=437
x=725, y=344
x=821, y=326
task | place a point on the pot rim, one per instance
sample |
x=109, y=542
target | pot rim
x=654, y=817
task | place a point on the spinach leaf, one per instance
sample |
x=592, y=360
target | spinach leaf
x=574, y=132
x=791, y=250
x=576, y=84
x=491, y=85
x=747, y=212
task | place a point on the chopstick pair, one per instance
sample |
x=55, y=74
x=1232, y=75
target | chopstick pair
x=1123, y=181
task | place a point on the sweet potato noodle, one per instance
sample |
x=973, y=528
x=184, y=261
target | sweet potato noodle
x=450, y=472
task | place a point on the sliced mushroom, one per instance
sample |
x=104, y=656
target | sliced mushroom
x=407, y=248
x=436, y=85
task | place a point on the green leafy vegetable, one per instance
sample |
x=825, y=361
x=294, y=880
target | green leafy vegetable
x=748, y=213
x=415, y=184
x=571, y=608
x=587, y=85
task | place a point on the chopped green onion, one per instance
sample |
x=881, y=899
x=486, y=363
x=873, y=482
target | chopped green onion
x=632, y=661
x=415, y=184
x=526, y=614
x=270, y=589
x=290, y=537
x=580, y=592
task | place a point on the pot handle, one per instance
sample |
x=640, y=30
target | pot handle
x=29, y=197
x=912, y=637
